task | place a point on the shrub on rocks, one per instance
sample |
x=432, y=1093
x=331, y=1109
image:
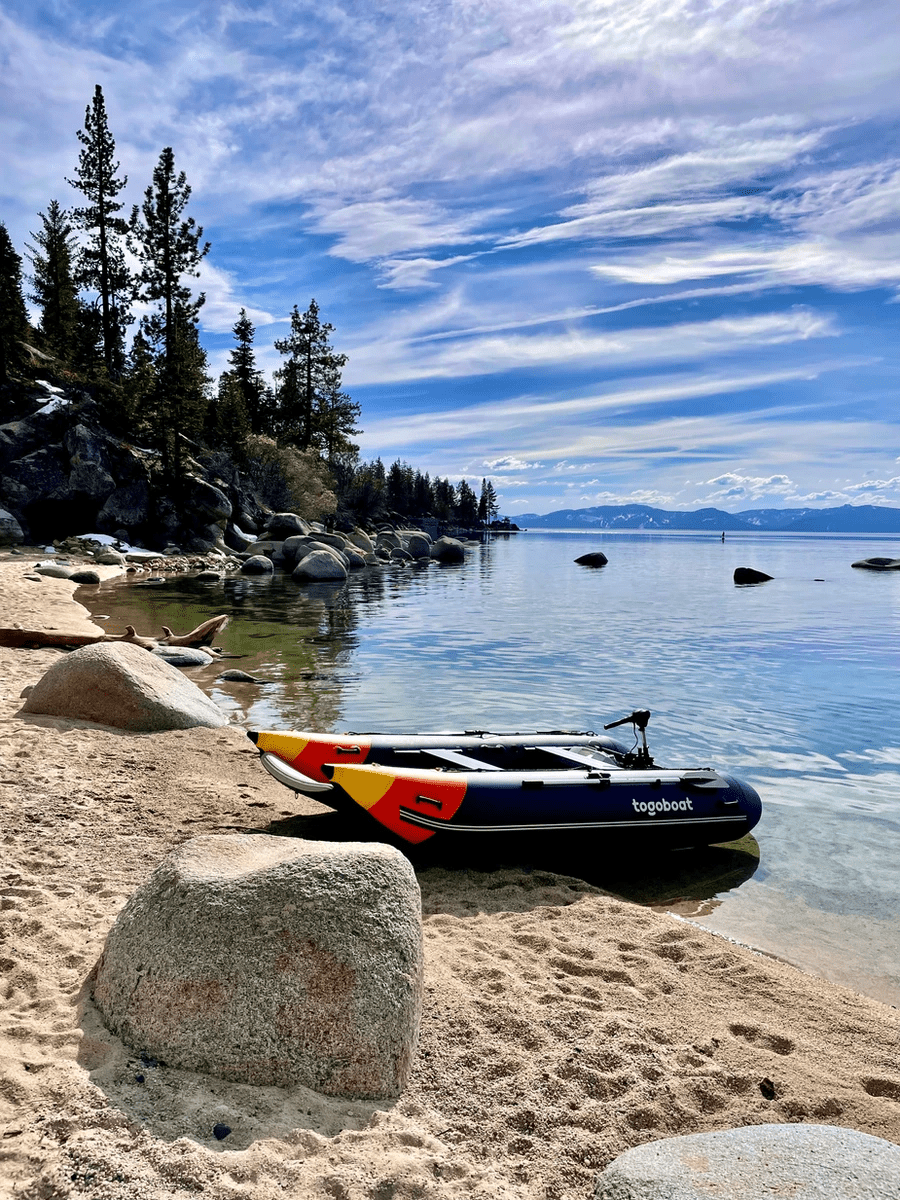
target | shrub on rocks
x=267, y=960
x=120, y=684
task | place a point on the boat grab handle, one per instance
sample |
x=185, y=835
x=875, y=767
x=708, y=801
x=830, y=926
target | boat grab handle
x=346, y=749
x=438, y=804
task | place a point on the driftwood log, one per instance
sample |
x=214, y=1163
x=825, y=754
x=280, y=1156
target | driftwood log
x=31, y=639
x=132, y=636
x=203, y=635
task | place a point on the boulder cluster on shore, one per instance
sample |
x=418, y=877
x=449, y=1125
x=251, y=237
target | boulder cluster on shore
x=303, y=549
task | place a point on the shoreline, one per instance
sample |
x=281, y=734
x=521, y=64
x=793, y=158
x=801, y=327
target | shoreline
x=561, y=1025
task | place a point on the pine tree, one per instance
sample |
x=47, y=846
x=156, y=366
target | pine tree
x=227, y=424
x=315, y=382
x=423, y=494
x=398, y=491
x=139, y=383
x=249, y=377
x=169, y=247
x=55, y=292
x=335, y=416
x=466, y=510
x=182, y=395
x=101, y=264
x=487, y=503
x=444, y=499
x=13, y=317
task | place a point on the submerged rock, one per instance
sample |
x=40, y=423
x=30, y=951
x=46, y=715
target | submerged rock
x=595, y=558
x=878, y=564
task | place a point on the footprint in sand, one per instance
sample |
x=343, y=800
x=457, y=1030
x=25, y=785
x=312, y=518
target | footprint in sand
x=886, y=1089
x=762, y=1038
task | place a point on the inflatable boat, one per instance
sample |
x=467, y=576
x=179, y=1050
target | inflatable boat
x=483, y=784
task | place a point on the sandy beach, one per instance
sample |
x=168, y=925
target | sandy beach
x=561, y=1025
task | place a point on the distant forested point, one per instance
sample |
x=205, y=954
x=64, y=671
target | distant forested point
x=848, y=518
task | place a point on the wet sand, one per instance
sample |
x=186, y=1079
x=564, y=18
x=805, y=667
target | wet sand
x=561, y=1025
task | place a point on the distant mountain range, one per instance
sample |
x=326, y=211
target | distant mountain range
x=849, y=518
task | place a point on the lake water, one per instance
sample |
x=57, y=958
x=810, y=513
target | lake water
x=791, y=685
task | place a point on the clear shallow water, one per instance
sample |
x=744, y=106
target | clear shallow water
x=791, y=685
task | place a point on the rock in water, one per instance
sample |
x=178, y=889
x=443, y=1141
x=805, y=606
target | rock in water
x=878, y=564
x=183, y=656
x=120, y=684
x=257, y=564
x=268, y=960
x=596, y=558
x=319, y=565
x=448, y=550
x=749, y=575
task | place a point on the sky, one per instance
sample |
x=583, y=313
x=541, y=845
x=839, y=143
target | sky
x=598, y=251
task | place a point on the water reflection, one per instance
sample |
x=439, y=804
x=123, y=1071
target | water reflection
x=791, y=686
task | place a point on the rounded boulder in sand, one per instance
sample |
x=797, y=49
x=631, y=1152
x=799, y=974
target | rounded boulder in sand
x=124, y=686
x=267, y=960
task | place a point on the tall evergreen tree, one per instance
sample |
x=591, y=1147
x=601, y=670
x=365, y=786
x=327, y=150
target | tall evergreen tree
x=335, y=416
x=316, y=375
x=13, y=317
x=466, y=511
x=487, y=503
x=55, y=293
x=139, y=383
x=169, y=247
x=398, y=490
x=181, y=396
x=249, y=378
x=444, y=499
x=227, y=424
x=101, y=265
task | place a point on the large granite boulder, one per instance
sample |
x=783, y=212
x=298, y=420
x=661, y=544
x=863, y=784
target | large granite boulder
x=319, y=565
x=268, y=960
x=360, y=539
x=11, y=532
x=207, y=503
x=120, y=684
x=126, y=507
x=594, y=558
x=257, y=564
x=448, y=550
x=418, y=545
x=805, y=1162
x=280, y=526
